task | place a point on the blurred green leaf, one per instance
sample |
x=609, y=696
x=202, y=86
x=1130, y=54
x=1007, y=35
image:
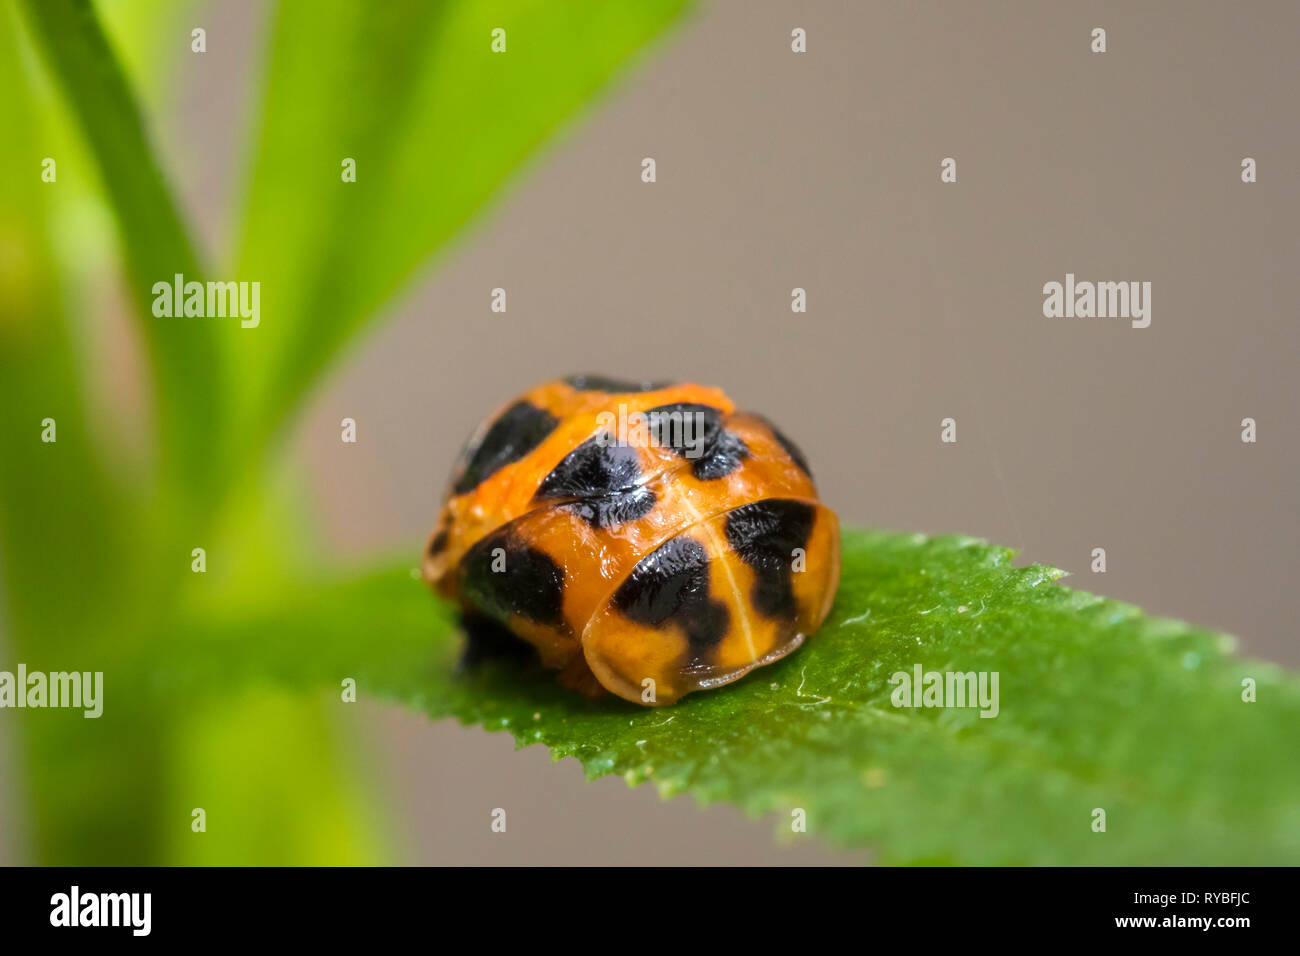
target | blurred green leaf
x=58, y=508
x=435, y=122
x=185, y=358
x=275, y=786
x=88, y=567
x=1100, y=707
x=70, y=574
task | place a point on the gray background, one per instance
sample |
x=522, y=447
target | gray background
x=821, y=170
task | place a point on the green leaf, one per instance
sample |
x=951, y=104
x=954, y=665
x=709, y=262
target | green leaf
x=435, y=122
x=188, y=378
x=1100, y=706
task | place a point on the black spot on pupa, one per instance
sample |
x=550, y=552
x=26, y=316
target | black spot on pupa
x=791, y=449
x=671, y=586
x=439, y=543
x=722, y=458
x=688, y=428
x=764, y=535
x=517, y=431
x=598, y=466
x=601, y=383
x=610, y=511
x=522, y=580
x=604, y=479
x=695, y=432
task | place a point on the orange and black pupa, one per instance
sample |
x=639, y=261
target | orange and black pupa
x=646, y=539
